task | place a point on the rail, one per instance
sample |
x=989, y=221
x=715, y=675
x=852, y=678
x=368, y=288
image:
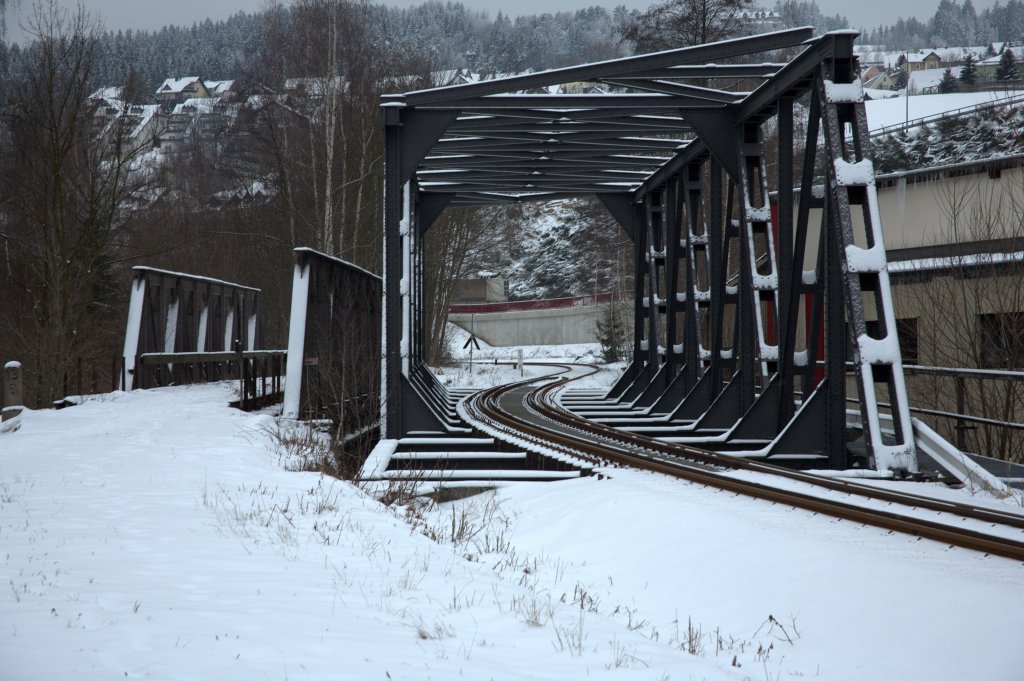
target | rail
x=597, y=442
x=259, y=372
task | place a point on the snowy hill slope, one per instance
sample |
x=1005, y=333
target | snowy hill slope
x=158, y=534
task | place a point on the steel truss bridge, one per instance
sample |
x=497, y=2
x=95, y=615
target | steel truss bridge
x=746, y=309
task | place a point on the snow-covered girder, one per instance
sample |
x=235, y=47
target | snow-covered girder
x=733, y=343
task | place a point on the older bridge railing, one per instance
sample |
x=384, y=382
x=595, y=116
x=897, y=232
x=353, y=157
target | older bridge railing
x=172, y=312
x=333, y=343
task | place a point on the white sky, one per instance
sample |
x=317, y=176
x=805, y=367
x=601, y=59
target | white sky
x=152, y=14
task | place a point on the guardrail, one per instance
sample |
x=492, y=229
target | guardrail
x=542, y=304
x=259, y=372
x=959, y=375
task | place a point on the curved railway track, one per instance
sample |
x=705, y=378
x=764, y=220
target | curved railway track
x=544, y=423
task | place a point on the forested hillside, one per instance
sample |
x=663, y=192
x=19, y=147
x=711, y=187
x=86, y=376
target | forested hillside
x=291, y=156
x=952, y=25
x=441, y=35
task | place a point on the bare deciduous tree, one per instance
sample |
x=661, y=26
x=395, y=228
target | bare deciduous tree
x=969, y=312
x=66, y=175
x=682, y=23
x=336, y=68
x=453, y=244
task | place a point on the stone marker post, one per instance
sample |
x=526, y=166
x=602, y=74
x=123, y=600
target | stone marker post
x=12, y=390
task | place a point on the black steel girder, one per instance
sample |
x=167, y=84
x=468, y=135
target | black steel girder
x=729, y=329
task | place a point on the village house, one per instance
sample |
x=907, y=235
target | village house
x=175, y=91
x=133, y=127
x=922, y=61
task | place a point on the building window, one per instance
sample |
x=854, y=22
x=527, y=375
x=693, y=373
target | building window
x=1001, y=338
x=906, y=332
x=906, y=329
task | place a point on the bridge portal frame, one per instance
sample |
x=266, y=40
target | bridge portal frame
x=722, y=295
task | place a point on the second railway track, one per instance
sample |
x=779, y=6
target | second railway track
x=527, y=414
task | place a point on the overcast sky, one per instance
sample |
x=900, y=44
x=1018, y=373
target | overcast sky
x=152, y=14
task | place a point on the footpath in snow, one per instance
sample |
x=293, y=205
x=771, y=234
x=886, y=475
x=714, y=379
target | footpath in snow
x=159, y=534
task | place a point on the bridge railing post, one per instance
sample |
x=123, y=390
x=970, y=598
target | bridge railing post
x=13, y=393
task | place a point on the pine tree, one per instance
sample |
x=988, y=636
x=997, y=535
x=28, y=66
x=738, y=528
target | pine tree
x=948, y=82
x=969, y=71
x=1007, y=69
x=901, y=79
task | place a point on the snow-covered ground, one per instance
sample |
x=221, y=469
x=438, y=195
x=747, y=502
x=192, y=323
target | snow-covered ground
x=893, y=111
x=159, y=534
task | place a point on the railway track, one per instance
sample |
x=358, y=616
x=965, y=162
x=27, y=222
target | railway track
x=528, y=414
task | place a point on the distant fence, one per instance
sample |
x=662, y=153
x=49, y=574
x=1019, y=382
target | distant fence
x=522, y=305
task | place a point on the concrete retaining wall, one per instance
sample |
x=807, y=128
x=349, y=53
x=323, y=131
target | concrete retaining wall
x=534, y=327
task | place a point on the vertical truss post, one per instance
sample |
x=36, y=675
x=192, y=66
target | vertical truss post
x=675, y=344
x=409, y=282
x=835, y=338
x=759, y=261
x=640, y=310
x=391, y=333
x=717, y=259
x=655, y=256
x=789, y=285
x=698, y=292
x=862, y=258
x=812, y=287
x=743, y=347
x=417, y=295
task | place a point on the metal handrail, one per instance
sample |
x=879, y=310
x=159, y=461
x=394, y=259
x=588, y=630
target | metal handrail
x=960, y=374
x=998, y=375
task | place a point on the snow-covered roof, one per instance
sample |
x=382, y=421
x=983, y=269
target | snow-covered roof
x=759, y=13
x=919, y=57
x=194, y=105
x=109, y=92
x=112, y=106
x=446, y=77
x=219, y=88
x=872, y=54
x=254, y=189
x=976, y=165
x=144, y=114
x=176, y=85
x=1018, y=52
x=315, y=87
x=875, y=93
